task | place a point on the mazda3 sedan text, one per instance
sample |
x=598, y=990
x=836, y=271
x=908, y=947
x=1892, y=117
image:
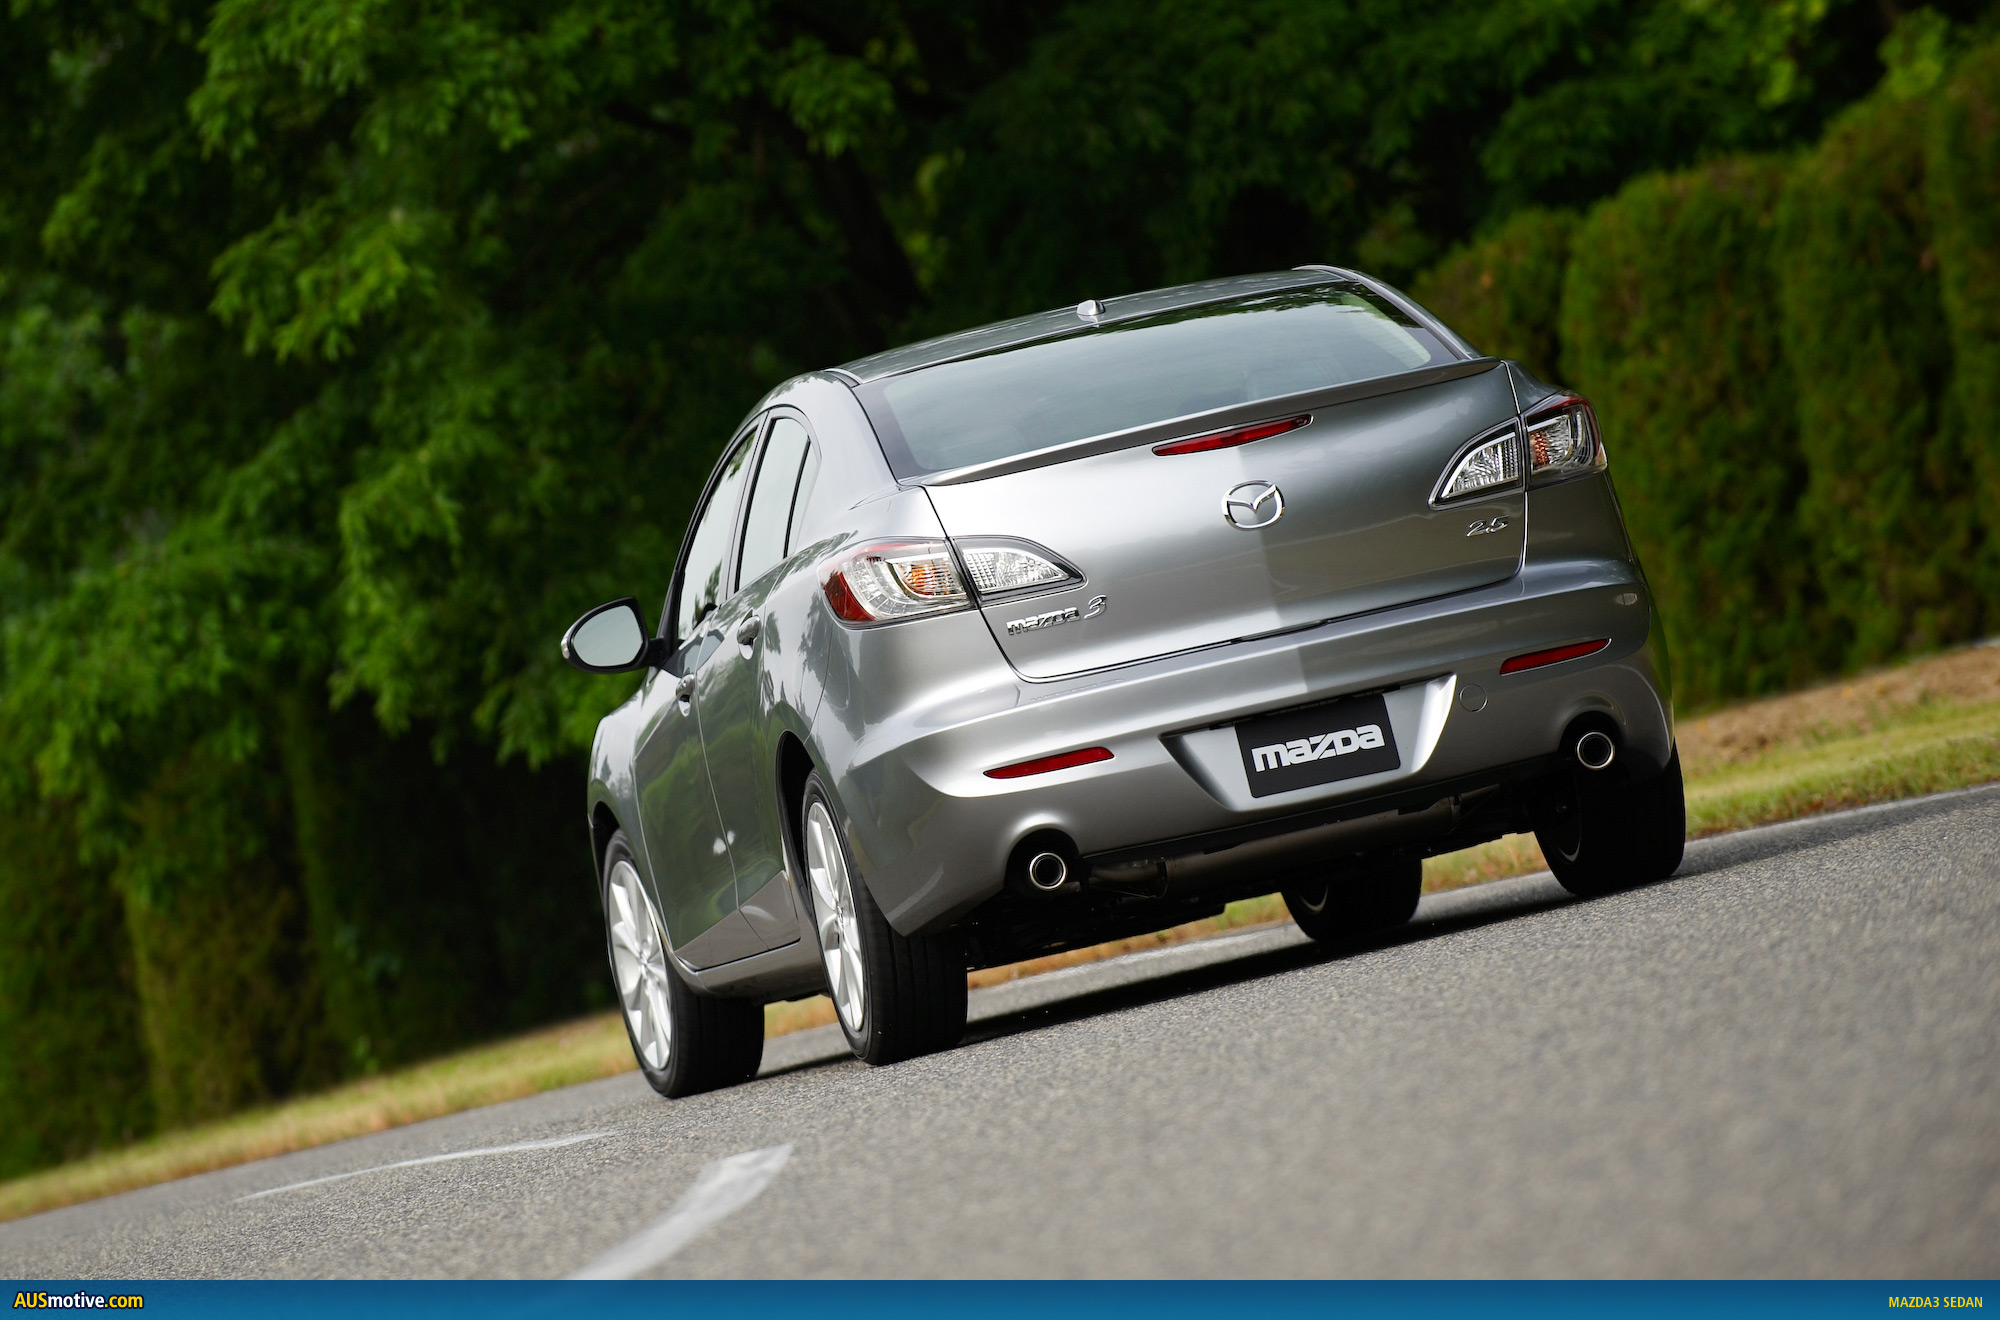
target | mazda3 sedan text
x=1087, y=623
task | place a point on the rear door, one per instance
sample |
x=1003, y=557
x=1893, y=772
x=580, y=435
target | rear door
x=1352, y=527
x=686, y=840
x=731, y=696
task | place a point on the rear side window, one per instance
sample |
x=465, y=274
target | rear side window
x=808, y=474
x=1134, y=373
x=772, y=497
x=708, y=545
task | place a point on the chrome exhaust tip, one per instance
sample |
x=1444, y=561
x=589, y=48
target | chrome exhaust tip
x=1048, y=872
x=1595, y=750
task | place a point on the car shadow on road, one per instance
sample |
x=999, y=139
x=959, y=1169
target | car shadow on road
x=1482, y=908
x=1237, y=971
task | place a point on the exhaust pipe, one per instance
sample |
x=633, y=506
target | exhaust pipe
x=1045, y=864
x=1048, y=872
x=1595, y=750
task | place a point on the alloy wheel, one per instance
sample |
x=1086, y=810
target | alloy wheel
x=834, y=915
x=639, y=962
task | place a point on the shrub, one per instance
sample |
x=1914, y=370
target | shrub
x=1504, y=292
x=1887, y=512
x=1964, y=195
x=1668, y=324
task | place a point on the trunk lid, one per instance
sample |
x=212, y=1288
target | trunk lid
x=1165, y=571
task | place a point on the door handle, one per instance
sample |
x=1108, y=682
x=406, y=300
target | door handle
x=684, y=690
x=746, y=631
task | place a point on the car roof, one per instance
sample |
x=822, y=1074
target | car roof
x=1063, y=321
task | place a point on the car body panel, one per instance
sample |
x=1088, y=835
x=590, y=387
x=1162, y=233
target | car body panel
x=684, y=832
x=1166, y=571
x=736, y=734
x=934, y=814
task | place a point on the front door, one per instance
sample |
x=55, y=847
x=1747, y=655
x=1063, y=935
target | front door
x=687, y=845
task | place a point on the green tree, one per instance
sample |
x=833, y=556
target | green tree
x=346, y=352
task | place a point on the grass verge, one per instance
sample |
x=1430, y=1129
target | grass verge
x=1919, y=728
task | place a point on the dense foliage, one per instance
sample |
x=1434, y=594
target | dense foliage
x=347, y=349
x=1668, y=323
x=1794, y=359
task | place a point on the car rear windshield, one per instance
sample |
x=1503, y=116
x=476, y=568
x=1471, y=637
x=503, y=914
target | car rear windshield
x=1133, y=373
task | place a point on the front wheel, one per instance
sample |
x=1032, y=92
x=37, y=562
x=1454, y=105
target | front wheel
x=897, y=996
x=1366, y=897
x=1603, y=834
x=684, y=1042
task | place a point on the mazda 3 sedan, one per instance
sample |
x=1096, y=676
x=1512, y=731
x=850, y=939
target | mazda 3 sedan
x=1085, y=624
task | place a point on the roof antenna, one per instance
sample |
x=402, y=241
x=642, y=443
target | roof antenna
x=1089, y=309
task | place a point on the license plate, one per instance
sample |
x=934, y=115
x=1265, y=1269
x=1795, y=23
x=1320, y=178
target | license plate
x=1317, y=745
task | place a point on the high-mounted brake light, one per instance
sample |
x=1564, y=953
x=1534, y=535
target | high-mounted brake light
x=1555, y=655
x=1043, y=765
x=891, y=580
x=1240, y=435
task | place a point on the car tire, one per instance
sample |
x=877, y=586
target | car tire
x=1601, y=834
x=896, y=996
x=1373, y=895
x=684, y=1042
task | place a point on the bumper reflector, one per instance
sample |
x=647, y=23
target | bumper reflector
x=1043, y=765
x=1555, y=655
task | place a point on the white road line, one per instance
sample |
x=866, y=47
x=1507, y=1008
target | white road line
x=723, y=1188
x=548, y=1143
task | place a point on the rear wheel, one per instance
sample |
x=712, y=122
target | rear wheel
x=1373, y=894
x=1602, y=833
x=684, y=1042
x=897, y=996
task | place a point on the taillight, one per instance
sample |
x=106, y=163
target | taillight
x=1491, y=463
x=1240, y=435
x=1562, y=439
x=891, y=580
x=999, y=565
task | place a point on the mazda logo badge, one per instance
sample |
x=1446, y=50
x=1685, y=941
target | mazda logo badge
x=1252, y=505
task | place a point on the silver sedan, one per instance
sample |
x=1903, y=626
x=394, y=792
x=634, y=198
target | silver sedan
x=1087, y=623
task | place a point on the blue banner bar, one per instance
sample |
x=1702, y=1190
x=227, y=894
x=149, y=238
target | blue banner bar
x=1017, y=1300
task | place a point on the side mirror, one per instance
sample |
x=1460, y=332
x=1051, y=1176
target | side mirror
x=611, y=639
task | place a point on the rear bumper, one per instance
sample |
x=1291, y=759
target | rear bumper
x=933, y=832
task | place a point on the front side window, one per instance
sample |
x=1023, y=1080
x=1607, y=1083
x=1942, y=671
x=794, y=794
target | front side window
x=772, y=497
x=1150, y=369
x=708, y=545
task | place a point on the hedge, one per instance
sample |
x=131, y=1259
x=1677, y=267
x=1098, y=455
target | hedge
x=1963, y=186
x=1668, y=325
x=1887, y=513
x=1504, y=292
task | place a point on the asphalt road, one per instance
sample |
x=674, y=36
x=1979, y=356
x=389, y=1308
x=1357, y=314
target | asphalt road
x=1784, y=1061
